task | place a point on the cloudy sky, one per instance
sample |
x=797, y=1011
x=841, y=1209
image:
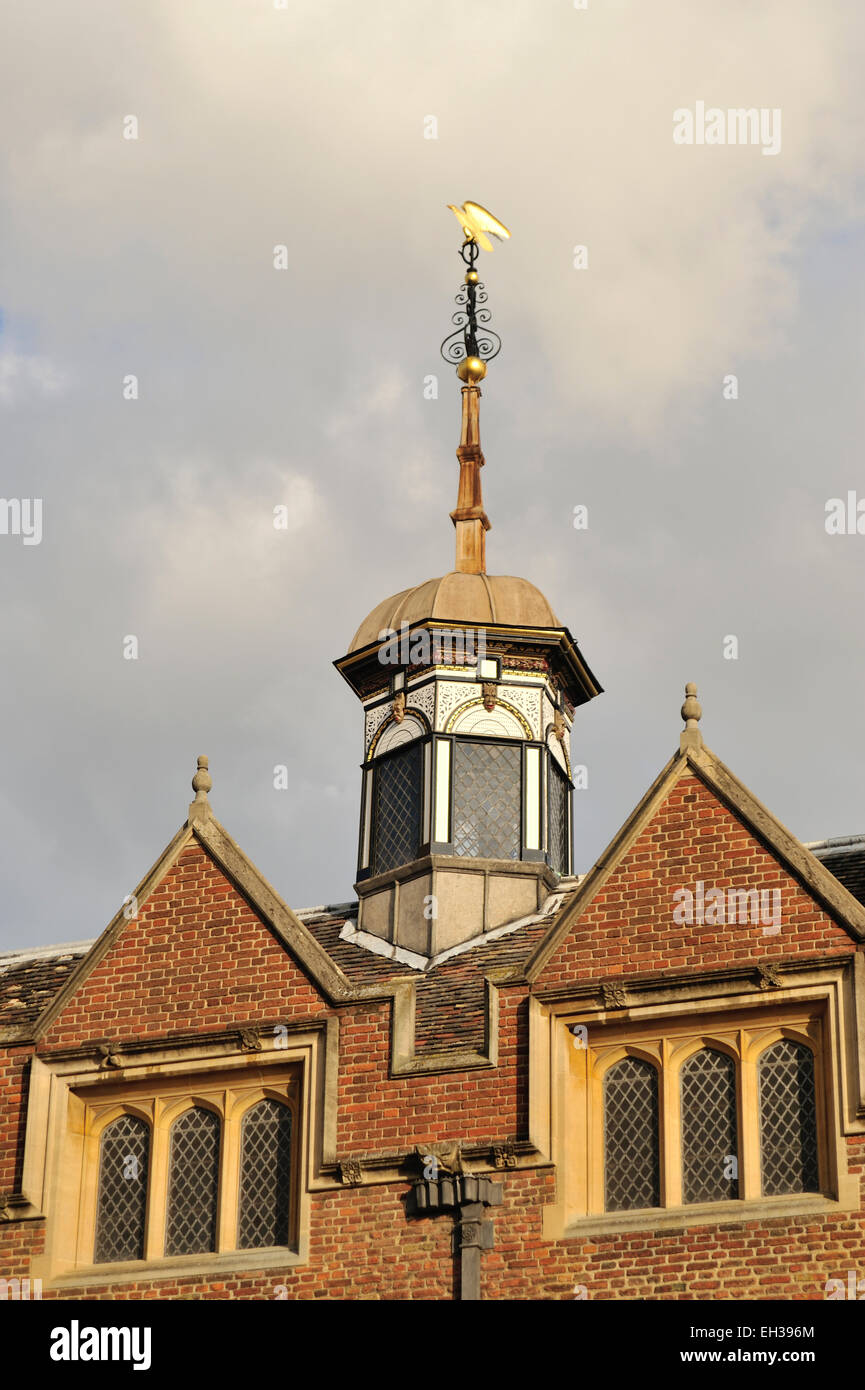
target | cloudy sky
x=304, y=126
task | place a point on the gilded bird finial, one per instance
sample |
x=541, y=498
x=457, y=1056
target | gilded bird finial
x=476, y=221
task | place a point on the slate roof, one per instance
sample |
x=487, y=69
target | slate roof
x=449, y=1013
x=845, y=858
x=361, y=966
x=30, y=979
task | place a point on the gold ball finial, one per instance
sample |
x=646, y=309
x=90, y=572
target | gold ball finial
x=471, y=277
x=472, y=370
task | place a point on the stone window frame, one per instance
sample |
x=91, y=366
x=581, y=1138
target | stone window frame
x=230, y=1103
x=745, y=1043
x=73, y=1097
x=566, y=1097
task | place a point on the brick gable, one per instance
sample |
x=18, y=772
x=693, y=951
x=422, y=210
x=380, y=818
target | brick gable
x=627, y=928
x=196, y=957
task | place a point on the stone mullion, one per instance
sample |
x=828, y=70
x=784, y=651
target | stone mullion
x=229, y=1173
x=157, y=1197
x=670, y=1120
x=750, y=1184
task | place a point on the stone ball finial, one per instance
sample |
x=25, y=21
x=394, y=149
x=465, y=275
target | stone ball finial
x=692, y=710
x=202, y=781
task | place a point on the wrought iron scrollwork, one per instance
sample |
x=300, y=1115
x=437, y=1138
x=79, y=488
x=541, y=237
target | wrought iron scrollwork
x=471, y=337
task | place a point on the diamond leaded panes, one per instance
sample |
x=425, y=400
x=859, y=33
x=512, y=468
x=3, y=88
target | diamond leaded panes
x=486, y=800
x=558, y=820
x=193, y=1180
x=123, y=1162
x=788, y=1119
x=632, y=1174
x=709, y=1152
x=397, y=808
x=265, y=1176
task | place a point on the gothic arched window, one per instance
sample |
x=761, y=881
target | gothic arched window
x=631, y=1151
x=709, y=1128
x=265, y=1176
x=193, y=1180
x=124, y=1152
x=788, y=1119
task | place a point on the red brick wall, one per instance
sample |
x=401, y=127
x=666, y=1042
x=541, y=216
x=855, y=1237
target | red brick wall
x=382, y=1114
x=363, y=1247
x=628, y=928
x=13, y=1112
x=196, y=957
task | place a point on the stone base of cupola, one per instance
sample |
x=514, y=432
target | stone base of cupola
x=437, y=902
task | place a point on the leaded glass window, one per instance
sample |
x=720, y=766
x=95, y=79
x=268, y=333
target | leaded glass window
x=265, y=1176
x=788, y=1120
x=397, y=808
x=709, y=1128
x=558, y=820
x=487, y=800
x=632, y=1173
x=193, y=1181
x=124, y=1153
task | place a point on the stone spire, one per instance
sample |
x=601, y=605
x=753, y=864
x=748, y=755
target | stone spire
x=199, y=809
x=692, y=713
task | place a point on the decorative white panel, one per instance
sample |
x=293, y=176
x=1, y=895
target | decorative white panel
x=374, y=720
x=499, y=723
x=556, y=750
x=528, y=702
x=443, y=790
x=450, y=695
x=548, y=712
x=422, y=697
x=410, y=728
x=531, y=798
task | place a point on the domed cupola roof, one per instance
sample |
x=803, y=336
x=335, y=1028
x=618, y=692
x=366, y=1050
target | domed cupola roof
x=480, y=599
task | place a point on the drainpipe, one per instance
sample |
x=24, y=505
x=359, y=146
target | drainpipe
x=466, y=1197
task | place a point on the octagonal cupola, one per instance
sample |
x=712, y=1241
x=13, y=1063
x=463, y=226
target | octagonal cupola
x=469, y=684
